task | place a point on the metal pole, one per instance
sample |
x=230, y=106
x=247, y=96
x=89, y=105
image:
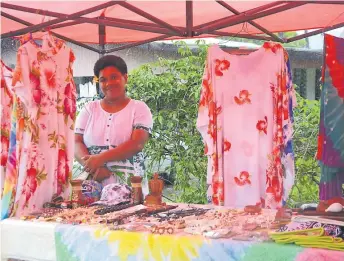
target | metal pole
x=21, y=21
x=302, y=36
x=102, y=40
x=248, y=12
x=189, y=18
x=151, y=17
x=247, y=16
x=159, y=38
x=246, y=36
x=261, y=28
x=37, y=27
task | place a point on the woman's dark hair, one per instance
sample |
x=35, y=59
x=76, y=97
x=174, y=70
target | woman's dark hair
x=110, y=60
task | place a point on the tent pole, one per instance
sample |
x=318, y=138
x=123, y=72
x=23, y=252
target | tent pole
x=125, y=25
x=107, y=21
x=261, y=28
x=102, y=37
x=189, y=18
x=18, y=20
x=121, y=23
x=151, y=17
x=246, y=16
x=37, y=27
x=159, y=38
x=102, y=40
x=248, y=12
x=245, y=36
x=302, y=36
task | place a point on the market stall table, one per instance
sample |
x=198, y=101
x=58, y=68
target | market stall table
x=48, y=241
x=26, y=240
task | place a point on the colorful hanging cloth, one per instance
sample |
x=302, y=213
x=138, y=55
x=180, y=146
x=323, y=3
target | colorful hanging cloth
x=331, y=128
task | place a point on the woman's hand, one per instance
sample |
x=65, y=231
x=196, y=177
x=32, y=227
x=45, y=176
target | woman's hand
x=101, y=174
x=92, y=163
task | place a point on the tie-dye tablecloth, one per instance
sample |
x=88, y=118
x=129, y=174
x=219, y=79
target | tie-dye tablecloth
x=43, y=241
x=84, y=243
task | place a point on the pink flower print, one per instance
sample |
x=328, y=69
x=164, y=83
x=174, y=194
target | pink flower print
x=62, y=167
x=4, y=150
x=69, y=101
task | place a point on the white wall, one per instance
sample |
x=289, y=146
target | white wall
x=134, y=57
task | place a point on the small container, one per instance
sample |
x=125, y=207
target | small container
x=137, y=196
x=76, y=192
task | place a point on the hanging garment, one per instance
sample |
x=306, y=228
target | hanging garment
x=43, y=122
x=6, y=109
x=331, y=128
x=245, y=118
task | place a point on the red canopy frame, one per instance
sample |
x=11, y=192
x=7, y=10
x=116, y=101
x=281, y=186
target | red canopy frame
x=158, y=26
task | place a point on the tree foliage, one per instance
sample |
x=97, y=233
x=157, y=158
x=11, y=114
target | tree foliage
x=171, y=88
x=307, y=116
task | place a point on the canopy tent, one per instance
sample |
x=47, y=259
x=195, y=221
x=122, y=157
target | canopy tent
x=133, y=23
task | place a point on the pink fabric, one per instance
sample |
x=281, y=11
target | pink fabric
x=6, y=110
x=313, y=254
x=241, y=101
x=173, y=12
x=43, y=82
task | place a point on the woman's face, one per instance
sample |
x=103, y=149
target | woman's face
x=112, y=82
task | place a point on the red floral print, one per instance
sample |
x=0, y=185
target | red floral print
x=35, y=70
x=206, y=93
x=30, y=185
x=17, y=76
x=220, y=66
x=35, y=86
x=62, y=167
x=276, y=117
x=244, y=179
x=41, y=56
x=272, y=46
x=262, y=125
x=3, y=83
x=205, y=149
x=50, y=78
x=272, y=87
x=71, y=57
x=45, y=168
x=218, y=193
x=274, y=172
x=69, y=101
x=227, y=145
x=4, y=149
x=244, y=97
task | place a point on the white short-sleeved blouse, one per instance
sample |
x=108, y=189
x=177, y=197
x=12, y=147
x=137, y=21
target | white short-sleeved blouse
x=102, y=130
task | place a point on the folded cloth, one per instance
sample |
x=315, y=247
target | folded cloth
x=91, y=190
x=114, y=194
x=314, y=237
x=329, y=229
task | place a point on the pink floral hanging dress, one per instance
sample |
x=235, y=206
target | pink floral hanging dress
x=245, y=118
x=43, y=82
